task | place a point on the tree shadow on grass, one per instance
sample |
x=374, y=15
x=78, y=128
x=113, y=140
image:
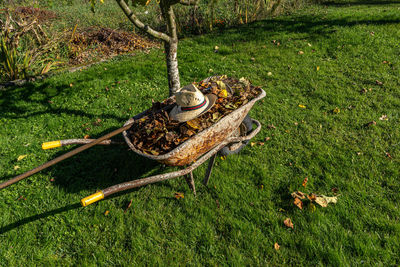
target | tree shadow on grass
x=33, y=218
x=359, y=3
x=314, y=26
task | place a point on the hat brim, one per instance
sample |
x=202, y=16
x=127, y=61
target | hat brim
x=178, y=114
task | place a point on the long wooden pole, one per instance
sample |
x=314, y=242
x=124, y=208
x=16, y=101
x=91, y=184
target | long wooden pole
x=62, y=157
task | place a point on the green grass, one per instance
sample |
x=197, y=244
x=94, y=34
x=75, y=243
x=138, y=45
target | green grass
x=334, y=150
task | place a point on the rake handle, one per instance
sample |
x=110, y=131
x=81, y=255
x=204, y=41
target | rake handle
x=62, y=157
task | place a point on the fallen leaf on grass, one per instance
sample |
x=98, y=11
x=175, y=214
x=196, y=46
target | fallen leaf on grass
x=370, y=123
x=302, y=106
x=300, y=52
x=106, y=212
x=21, y=198
x=223, y=157
x=21, y=157
x=336, y=110
x=323, y=201
x=317, y=68
x=298, y=203
x=267, y=138
x=276, y=246
x=129, y=205
x=304, y=184
x=298, y=194
x=179, y=195
x=86, y=136
x=378, y=82
x=288, y=223
x=388, y=155
x=16, y=167
x=271, y=126
x=311, y=197
x=383, y=118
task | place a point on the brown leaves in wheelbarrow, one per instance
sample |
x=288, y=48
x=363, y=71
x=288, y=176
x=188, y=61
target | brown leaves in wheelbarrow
x=155, y=133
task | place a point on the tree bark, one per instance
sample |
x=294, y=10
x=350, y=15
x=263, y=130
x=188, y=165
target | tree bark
x=171, y=47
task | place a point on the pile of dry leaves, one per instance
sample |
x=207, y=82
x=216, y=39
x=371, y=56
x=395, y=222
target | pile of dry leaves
x=104, y=42
x=157, y=134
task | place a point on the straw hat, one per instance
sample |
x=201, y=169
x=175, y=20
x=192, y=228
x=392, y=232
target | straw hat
x=191, y=103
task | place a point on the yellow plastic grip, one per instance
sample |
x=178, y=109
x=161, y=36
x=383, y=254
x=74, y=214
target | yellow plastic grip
x=52, y=144
x=92, y=198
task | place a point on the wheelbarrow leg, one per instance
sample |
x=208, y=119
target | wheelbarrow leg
x=209, y=169
x=190, y=182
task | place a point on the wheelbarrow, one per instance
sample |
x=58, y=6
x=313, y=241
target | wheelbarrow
x=226, y=133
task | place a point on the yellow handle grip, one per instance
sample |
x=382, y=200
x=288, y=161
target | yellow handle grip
x=51, y=144
x=92, y=198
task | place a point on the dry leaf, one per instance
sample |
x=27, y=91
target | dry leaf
x=221, y=85
x=302, y=106
x=179, y=195
x=323, y=201
x=317, y=68
x=269, y=73
x=106, y=212
x=288, y=223
x=21, y=198
x=370, y=123
x=336, y=110
x=378, y=82
x=223, y=93
x=252, y=144
x=298, y=203
x=21, y=157
x=194, y=124
x=16, y=167
x=388, y=155
x=262, y=187
x=298, y=194
x=267, y=138
x=271, y=126
x=129, y=205
x=311, y=197
x=304, y=184
x=312, y=207
x=276, y=246
x=301, y=53
x=86, y=136
x=223, y=157
x=383, y=118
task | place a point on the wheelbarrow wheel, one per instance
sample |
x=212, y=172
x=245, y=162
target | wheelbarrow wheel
x=234, y=148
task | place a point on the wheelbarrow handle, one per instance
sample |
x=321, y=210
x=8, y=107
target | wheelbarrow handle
x=65, y=156
x=59, y=143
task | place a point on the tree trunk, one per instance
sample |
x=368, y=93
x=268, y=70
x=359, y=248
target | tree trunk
x=171, y=47
x=172, y=66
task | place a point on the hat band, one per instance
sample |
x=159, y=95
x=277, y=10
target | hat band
x=194, y=107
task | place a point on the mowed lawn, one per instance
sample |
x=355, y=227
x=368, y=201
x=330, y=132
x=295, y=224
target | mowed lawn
x=332, y=77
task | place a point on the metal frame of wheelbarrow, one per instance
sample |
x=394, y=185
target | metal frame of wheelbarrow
x=187, y=172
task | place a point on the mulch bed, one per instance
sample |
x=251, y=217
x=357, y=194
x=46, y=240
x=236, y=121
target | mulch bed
x=157, y=134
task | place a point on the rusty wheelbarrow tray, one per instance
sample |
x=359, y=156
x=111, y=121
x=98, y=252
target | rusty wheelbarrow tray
x=195, y=151
x=194, y=147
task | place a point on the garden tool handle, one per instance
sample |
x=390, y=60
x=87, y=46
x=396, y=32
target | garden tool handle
x=65, y=156
x=60, y=143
